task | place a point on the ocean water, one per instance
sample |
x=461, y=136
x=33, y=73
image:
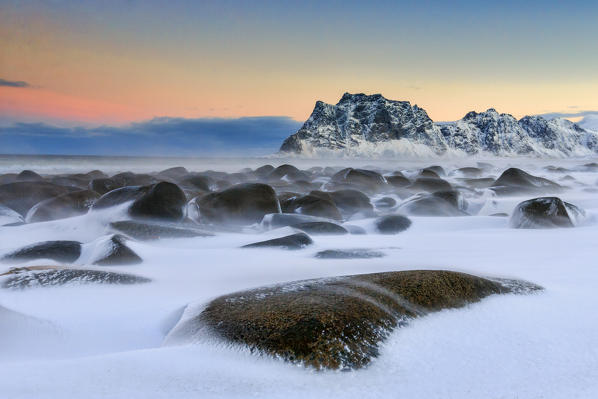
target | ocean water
x=109, y=341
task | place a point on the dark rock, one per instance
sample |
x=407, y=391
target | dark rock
x=428, y=173
x=64, y=206
x=321, y=228
x=500, y=214
x=516, y=181
x=263, y=171
x=21, y=196
x=60, y=251
x=28, y=175
x=197, y=182
x=386, y=202
x=103, y=185
x=47, y=276
x=276, y=220
x=133, y=179
x=154, y=231
x=120, y=196
x=430, y=184
x=392, y=224
x=398, y=181
x=356, y=230
x=174, y=173
x=361, y=179
x=335, y=323
x=289, y=171
x=469, y=172
x=311, y=205
x=441, y=203
x=115, y=252
x=240, y=204
x=293, y=241
x=75, y=181
x=164, y=201
x=545, y=212
x=439, y=170
x=349, y=254
x=349, y=202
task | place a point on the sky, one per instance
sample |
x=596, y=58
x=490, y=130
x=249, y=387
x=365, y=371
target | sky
x=114, y=63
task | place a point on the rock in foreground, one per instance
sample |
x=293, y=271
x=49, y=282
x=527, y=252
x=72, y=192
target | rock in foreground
x=334, y=323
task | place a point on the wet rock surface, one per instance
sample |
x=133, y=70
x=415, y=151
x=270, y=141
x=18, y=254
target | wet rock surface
x=335, y=323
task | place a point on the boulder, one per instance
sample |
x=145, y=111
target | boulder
x=321, y=228
x=311, y=205
x=333, y=323
x=516, y=181
x=163, y=201
x=398, y=181
x=114, y=251
x=21, y=196
x=288, y=172
x=197, y=182
x=360, y=179
x=385, y=203
x=276, y=220
x=357, y=253
x=28, y=175
x=145, y=231
x=66, y=205
x=392, y=224
x=349, y=202
x=103, y=185
x=60, y=251
x=429, y=184
x=441, y=203
x=174, y=173
x=120, y=196
x=48, y=276
x=133, y=179
x=293, y=241
x=241, y=204
x=545, y=212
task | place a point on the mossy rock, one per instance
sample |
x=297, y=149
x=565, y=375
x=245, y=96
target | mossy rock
x=334, y=323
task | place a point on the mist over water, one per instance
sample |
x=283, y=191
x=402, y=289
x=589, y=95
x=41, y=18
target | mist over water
x=92, y=341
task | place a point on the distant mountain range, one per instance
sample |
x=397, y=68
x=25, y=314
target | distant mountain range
x=361, y=123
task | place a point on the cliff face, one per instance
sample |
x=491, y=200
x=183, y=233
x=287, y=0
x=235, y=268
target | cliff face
x=359, y=119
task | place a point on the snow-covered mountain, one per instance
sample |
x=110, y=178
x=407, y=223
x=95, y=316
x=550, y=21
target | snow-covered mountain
x=363, y=122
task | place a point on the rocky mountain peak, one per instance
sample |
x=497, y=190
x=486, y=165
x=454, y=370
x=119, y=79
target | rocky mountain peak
x=361, y=121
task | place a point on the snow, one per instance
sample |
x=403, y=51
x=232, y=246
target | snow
x=109, y=341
